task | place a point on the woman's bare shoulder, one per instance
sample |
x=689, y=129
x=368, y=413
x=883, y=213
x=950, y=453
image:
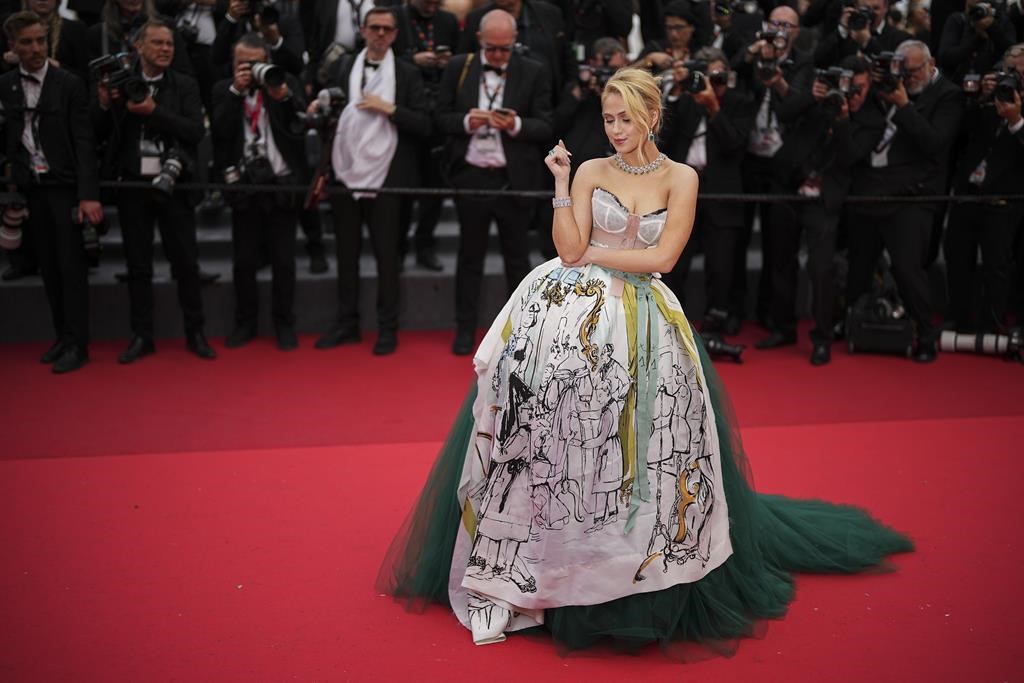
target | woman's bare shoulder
x=682, y=179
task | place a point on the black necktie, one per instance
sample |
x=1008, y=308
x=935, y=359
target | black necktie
x=500, y=70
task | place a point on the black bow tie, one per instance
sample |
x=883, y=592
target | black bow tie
x=31, y=78
x=372, y=65
x=500, y=70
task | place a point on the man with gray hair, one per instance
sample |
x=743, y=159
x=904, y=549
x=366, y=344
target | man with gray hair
x=923, y=111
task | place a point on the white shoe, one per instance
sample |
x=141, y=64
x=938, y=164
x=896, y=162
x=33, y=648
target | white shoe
x=488, y=624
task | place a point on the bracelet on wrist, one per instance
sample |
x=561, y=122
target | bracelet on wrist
x=561, y=202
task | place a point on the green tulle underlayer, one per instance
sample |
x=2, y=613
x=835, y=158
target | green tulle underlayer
x=772, y=537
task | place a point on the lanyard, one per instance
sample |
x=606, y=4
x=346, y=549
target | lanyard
x=491, y=97
x=253, y=113
x=426, y=37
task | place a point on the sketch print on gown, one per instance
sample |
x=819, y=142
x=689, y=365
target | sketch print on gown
x=590, y=476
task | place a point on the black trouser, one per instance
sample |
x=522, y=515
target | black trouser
x=719, y=243
x=906, y=234
x=205, y=72
x=992, y=229
x=758, y=178
x=60, y=254
x=382, y=218
x=313, y=229
x=819, y=228
x=475, y=216
x=138, y=211
x=253, y=224
x=428, y=209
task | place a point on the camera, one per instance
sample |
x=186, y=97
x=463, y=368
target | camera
x=980, y=11
x=189, y=33
x=521, y=49
x=840, y=87
x=172, y=165
x=266, y=11
x=1009, y=345
x=331, y=102
x=1007, y=83
x=269, y=75
x=888, y=70
x=594, y=75
x=14, y=215
x=119, y=77
x=255, y=165
x=777, y=39
x=860, y=19
x=725, y=7
x=972, y=84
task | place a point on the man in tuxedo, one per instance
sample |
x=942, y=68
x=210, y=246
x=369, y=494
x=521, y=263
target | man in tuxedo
x=336, y=30
x=375, y=145
x=709, y=130
x=495, y=106
x=922, y=118
x=49, y=140
x=149, y=140
x=256, y=130
x=283, y=36
x=874, y=37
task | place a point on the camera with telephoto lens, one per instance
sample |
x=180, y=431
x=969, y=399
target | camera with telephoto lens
x=1010, y=345
x=764, y=68
x=119, y=77
x=269, y=75
x=331, y=102
x=1008, y=83
x=595, y=76
x=888, y=70
x=840, y=86
x=171, y=166
x=860, y=19
x=980, y=11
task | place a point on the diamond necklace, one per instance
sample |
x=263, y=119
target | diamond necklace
x=639, y=170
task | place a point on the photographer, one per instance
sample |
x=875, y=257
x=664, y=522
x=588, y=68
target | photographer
x=835, y=132
x=863, y=29
x=152, y=129
x=67, y=40
x=283, y=34
x=375, y=145
x=587, y=21
x=196, y=25
x=973, y=40
x=679, y=43
x=116, y=33
x=923, y=112
x=49, y=140
x=991, y=164
x=578, y=115
x=775, y=72
x=707, y=126
x=257, y=139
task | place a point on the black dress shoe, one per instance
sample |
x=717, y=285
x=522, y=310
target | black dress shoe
x=775, y=340
x=337, y=337
x=387, y=342
x=464, y=342
x=926, y=352
x=197, y=344
x=426, y=258
x=53, y=353
x=317, y=263
x=206, y=278
x=286, y=339
x=821, y=354
x=69, y=361
x=139, y=347
x=16, y=273
x=240, y=336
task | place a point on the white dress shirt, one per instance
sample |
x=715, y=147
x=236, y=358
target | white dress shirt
x=32, y=87
x=485, y=147
x=263, y=135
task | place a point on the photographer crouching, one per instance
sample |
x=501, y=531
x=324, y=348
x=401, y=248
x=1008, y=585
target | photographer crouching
x=922, y=112
x=257, y=140
x=152, y=118
x=992, y=163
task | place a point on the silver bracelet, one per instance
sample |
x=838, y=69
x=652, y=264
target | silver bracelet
x=561, y=202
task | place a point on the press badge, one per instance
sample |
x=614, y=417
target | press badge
x=977, y=176
x=39, y=164
x=487, y=144
x=149, y=158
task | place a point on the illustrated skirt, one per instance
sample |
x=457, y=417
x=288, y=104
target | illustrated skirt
x=594, y=482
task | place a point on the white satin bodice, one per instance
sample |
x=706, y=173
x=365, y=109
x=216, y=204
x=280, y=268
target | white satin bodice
x=614, y=227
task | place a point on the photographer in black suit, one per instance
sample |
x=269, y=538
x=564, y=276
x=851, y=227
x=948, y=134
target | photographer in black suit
x=257, y=139
x=991, y=163
x=154, y=138
x=862, y=29
x=972, y=41
x=376, y=143
x=495, y=107
x=923, y=112
x=49, y=140
x=707, y=127
x=282, y=33
x=578, y=120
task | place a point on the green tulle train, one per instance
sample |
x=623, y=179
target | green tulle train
x=772, y=537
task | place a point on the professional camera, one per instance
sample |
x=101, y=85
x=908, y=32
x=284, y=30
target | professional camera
x=255, y=166
x=972, y=84
x=594, y=75
x=777, y=39
x=269, y=75
x=331, y=102
x=1008, y=345
x=860, y=19
x=888, y=70
x=14, y=215
x=119, y=77
x=189, y=32
x=840, y=86
x=697, y=76
x=173, y=164
x=1007, y=83
x=980, y=11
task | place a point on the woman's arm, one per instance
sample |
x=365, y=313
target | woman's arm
x=682, y=207
x=570, y=227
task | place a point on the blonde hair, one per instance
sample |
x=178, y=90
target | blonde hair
x=641, y=94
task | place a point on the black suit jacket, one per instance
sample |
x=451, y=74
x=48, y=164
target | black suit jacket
x=919, y=153
x=797, y=69
x=177, y=120
x=411, y=118
x=726, y=141
x=541, y=29
x=527, y=91
x=990, y=140
x=833, y=47
x=288, y=56
x=963, y=51
x=106, y=44
x=72, y=49
x=228, y=119
x=588, y=20
x=65, y=132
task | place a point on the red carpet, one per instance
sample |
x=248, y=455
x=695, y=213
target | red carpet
x=224, y=521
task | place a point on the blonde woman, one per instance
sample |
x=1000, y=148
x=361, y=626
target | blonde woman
x=657, y=539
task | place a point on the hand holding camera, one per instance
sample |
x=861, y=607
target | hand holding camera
x=238, y=9
x=143, y=108
x=982, y=15
x=1009, y=109
x=242, y=77
x=90, y=211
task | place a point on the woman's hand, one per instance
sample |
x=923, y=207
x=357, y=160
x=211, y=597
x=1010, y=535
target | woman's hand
x=559, y=161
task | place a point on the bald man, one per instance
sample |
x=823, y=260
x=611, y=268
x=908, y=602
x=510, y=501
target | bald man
x=495, y=108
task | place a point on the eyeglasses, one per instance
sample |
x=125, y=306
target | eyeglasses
x=781, y=24
x=377, y=28
x=907, y=70
x=502, y=49
x=672, y=28
x=1015, y=51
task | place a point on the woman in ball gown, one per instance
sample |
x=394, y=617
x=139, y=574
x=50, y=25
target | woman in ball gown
x=594, y=482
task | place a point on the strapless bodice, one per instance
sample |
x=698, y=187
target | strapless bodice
x=614, y=227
